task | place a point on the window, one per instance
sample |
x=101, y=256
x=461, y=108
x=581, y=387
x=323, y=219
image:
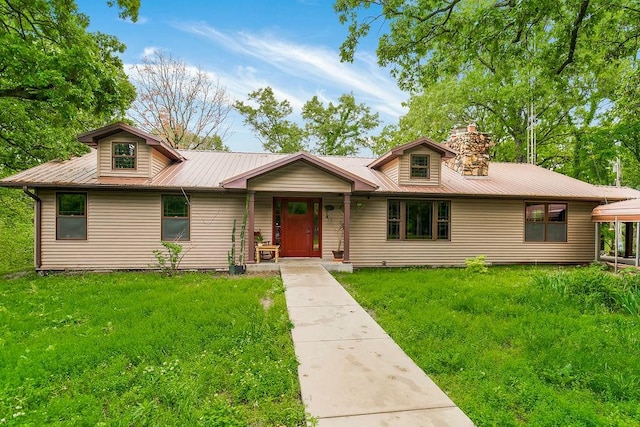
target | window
x=175, y=217
x=418, y=220
x=124, y=155
x=419, y=166
x=545, y=222
x=71, y=216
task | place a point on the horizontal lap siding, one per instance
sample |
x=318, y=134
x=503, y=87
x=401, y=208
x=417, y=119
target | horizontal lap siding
x=435, y=163
x=158, y=162
x=143, y=160
x=494, y=228
x=391, y=170
x=299, y=177
x=124, y=228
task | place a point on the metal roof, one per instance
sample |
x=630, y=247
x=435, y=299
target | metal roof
x=626, y=211
x=206, y=170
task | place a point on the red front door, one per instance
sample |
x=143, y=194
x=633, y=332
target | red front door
x=297, y=223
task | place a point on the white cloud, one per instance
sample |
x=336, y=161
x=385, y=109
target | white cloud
x=315, y=65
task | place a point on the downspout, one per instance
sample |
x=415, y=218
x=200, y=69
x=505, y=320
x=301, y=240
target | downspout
x=37, y=227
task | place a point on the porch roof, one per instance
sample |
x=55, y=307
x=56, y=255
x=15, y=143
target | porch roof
x=625, y=211
x=357, y=183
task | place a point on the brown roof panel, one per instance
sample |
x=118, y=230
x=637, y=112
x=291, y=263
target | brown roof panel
x=207, y=169
x=626, y=211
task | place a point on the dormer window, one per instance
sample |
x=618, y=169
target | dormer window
x=420, y=166
x=124, y=155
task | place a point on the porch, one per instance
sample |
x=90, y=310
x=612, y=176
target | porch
x=270, y=265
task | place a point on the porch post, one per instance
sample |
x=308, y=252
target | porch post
x=347, y=226
x=637, y=243
x=252, y=215
x=628, y=239
x=597, y=239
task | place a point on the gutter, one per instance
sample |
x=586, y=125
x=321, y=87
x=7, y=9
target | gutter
x=37, y=226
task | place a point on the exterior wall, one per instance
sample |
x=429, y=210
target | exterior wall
x=143, y=169
x=158, y=162
x=299, y=177
x=494, y=228
x=434, y=167
x=123, y=228
x=391, y=170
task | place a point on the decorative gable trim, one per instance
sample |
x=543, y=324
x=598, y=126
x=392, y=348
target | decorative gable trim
x=92, y=138
x=444, y=151
x=357, y=183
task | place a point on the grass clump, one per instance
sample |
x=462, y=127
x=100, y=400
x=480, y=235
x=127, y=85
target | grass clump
x=507, y=350
x=141, y=349
x=595, y=288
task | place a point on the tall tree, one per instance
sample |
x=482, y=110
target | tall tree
x=339, y=129
x=269, y=119
x=183, y=105
x=56, y=79
x=499, y=58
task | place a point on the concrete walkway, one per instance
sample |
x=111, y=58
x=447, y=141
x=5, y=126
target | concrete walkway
x=351, y=372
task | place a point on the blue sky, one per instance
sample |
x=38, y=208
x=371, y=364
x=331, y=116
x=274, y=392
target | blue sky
x=290, y=45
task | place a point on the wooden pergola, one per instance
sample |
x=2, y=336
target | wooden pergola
x=626, y=212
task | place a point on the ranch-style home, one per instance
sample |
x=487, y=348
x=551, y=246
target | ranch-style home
x=423, y=203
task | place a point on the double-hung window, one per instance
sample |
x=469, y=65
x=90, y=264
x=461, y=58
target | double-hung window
x=124, y=155
x=175, y=217
x=419, y=166
x=545, y=222
x=71, y=216
x=418, y=219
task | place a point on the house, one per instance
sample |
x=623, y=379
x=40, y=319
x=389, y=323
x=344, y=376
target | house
x=423, y=203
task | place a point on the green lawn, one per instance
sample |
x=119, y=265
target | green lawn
x=515, y=346
x=141, y=349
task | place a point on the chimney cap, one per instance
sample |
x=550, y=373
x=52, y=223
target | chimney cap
x=471, y=127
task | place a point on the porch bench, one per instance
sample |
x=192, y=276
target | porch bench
x=267, y=248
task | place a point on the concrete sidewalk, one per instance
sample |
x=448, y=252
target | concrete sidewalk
x=351, y=372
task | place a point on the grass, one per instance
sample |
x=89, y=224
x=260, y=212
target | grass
x=140, y=349
x=16, y=231
x=510, y=349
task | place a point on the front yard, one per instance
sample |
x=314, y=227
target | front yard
x=517, y=345
x=140, y=349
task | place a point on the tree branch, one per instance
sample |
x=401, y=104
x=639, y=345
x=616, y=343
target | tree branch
x=574, y=35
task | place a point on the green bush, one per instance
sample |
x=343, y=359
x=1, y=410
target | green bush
x=594, y=288
x=477, y=264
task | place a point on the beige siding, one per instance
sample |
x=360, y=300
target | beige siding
x=158, y=162
x=434, y=169
x=494, y=228
x=299, y=177
x=391, y=170
x=124, y=228
x=143, y=169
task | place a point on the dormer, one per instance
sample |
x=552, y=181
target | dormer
x=416, y=163
x=127, y=152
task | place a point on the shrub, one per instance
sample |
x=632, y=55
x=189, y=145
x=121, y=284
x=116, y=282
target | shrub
x=477, y=264
x=168, y=261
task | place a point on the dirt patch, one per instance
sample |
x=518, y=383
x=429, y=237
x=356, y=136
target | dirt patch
x=266, y=302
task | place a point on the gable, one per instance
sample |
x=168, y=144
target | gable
x=434, y=165
x=105, y=156
x=299, y=177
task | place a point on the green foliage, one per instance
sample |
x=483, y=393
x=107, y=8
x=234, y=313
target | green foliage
x=270, y=122
x=194, y=349
x=57, y=80
x=595, y=289
x=530, y=356
x=477, y=264
x=168, y=261
x=489, y=62
x=16, y=231
x=339, y=129
x=231, y=254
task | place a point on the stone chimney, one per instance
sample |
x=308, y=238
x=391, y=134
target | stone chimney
x=473, y=151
